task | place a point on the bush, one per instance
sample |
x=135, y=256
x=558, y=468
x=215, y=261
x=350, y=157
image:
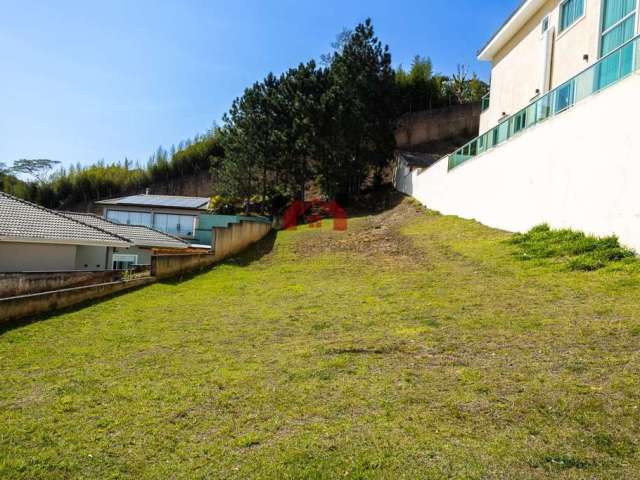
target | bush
x=581, y=252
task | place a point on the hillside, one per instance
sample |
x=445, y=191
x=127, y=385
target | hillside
x=411, y=346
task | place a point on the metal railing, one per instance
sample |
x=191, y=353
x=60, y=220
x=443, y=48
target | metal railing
x=609, y=70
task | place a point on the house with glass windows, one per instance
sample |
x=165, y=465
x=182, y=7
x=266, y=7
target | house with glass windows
x=543, y=45
x=170, y=214
x=144, y=241
x=558, y=140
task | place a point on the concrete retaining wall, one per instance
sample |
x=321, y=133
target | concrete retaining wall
x=229, y=241
x=29, y=305
x=167, y=266
x=237, y=237
x=578, y=170
x=423, y=128
x=15, y=284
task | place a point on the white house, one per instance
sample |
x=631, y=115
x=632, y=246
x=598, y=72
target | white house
x=547, y=42
x=558, y=138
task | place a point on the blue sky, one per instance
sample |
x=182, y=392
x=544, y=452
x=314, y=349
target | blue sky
x=87, y=80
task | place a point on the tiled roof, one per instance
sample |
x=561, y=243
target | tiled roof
x=140, y=235
x=25, y=221
x=166, y=201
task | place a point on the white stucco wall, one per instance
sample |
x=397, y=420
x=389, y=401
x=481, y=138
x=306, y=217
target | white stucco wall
x=580, y=169
x=25, y=257
x=91, y=258
x=518, y=67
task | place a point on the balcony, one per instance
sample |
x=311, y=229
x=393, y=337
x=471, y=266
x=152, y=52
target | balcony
x=609, y=70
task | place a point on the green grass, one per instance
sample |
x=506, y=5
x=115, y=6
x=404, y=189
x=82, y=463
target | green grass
x=579, y=251
x=451, y=358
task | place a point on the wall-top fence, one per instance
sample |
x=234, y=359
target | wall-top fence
x=607, y=71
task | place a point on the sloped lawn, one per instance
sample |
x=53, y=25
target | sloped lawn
x=412, y=346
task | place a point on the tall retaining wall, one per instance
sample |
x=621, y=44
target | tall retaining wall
x=421, y=129
x=580, y=170
x=237, y=237
x=15, y=284
x=228, y=241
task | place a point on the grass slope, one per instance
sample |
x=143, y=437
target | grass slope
x=412, y=346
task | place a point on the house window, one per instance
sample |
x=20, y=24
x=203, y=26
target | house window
x=129, y=218
x=545, y=24
x=124, y=262
x=182, y=225
x=570, y=12
x=618, y=24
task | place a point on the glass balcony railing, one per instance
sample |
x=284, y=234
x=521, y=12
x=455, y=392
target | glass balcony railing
x=607, y=71
x=486, y=101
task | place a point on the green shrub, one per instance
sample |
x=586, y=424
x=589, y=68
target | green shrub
x=581, y=252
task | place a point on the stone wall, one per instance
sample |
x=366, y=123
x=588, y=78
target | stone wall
x=15, y=284
x=423, y=131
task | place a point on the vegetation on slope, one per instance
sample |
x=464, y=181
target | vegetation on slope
x=577, y=250
x=83, y=184
x=411, y=346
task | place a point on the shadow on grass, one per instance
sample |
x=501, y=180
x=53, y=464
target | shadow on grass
x=252, y=254
x=23, y=322
x=374, y=203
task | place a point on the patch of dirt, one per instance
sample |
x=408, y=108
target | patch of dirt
x=372, y=236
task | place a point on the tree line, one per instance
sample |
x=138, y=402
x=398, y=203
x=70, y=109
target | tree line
x=69, y=187
x=419, y=88
x=329, y=122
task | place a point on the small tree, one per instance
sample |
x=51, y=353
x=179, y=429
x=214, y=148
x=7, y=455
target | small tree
x=37, y=168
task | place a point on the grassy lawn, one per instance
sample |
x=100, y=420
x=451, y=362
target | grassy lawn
x=412, y=346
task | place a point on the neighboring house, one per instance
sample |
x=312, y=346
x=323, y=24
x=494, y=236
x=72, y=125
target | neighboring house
x=559, y=140
x=545, y=43
x=33, y=238
x=144, y=240
x=171, y=214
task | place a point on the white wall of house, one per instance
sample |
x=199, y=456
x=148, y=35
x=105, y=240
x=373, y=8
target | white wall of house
x=91, y=258
x=23, y=257
x=580, y=169
x=518, y=68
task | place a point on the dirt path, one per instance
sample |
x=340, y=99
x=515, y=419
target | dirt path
x=374, y=236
